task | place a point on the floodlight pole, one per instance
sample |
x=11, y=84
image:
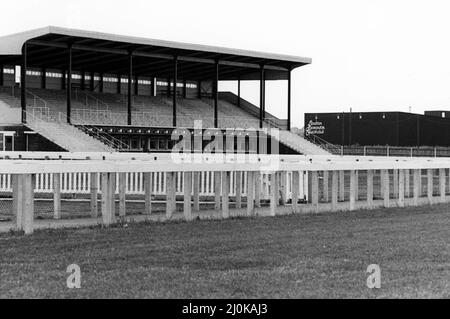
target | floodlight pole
x=23, y=83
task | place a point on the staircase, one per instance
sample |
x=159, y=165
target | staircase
x=65, y=135
x=53, y=126
x=300, y=144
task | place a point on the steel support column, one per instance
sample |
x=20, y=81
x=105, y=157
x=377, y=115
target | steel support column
x=174, y=95
x=23, y=83
x=216, y=94
x=130, y=86
x=44, y=78
x=119, y=83
x=289, y=100
x=63, y=80
x=92, y=83
x=101, y=83
x=152, y=86
x=239, y=92
x=168, y=87
x=2, y=76
x=69, y=82
x=184, y=89
x=262, y=99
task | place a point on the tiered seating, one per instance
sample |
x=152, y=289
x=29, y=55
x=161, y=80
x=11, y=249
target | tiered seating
x=111, y=109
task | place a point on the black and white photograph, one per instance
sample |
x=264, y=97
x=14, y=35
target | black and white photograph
x=227, y=158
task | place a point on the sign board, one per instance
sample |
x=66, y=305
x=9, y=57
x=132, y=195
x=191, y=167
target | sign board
x=315, y=128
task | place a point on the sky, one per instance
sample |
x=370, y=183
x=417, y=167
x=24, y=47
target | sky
x=367, y=55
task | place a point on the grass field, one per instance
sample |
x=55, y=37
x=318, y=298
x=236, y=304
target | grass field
x=323, y=256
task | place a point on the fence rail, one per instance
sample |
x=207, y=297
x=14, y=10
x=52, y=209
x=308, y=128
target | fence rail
x=260, y=185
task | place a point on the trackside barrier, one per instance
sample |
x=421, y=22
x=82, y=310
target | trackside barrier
x=332, y=184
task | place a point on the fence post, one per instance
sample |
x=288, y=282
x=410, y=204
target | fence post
x=94, y=191
x=407, y=183
x=442, y=184
x=225, y=190
x=416, y=186
x=430, y=185
x=108, y=202
x=122, y=195
x=238, y=189
x=325, y=186
x=334, y=190
x=370, y=173
x=401, y=188
x=282, y=185
x=295, y=190
x=217, y=182
x=23, y=203
x=170, y=194
x=352, y=189
x=395, y=174
x=56, y=196
x=257, y=176
x=341, y=186
x=187, y=188
x=28, y=204
x=148, y=183
x=273, y=193
x=17, y=200
x=196, y=191
x=250, y=193
x=385, y=187
x=315, y=189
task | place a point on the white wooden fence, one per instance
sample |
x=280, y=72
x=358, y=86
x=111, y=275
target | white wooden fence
x=80, y=183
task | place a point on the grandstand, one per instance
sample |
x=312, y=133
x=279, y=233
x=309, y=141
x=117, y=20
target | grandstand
x=86, y=91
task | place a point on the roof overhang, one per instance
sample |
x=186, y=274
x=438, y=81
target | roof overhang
x=108, y=53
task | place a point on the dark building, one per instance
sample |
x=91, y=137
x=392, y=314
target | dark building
x=21, y=138
x=380, y=128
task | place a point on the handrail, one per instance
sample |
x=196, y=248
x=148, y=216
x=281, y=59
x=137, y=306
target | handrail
x=16, y=94
x=62, y=117
x=102, y=136
x=334, y=149
x=88, y=95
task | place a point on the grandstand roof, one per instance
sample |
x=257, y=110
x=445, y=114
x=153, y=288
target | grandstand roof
x=108, y=53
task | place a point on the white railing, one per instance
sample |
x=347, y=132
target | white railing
x=79, y=183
